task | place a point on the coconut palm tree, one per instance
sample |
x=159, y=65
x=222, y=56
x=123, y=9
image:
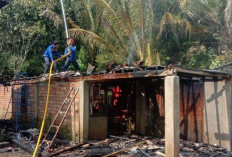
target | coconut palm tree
x=128, y=30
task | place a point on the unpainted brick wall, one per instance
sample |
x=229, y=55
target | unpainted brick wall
x=38, y=96
x=5, y=94
x=58, y=92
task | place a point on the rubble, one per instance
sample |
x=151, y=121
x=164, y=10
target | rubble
x=126, y=146
x=138, y=147
x=4, y=144
x=134, y=146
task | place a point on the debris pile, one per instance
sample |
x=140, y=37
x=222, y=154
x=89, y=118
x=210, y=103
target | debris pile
x=137, y=146
x=23, y=143
x=7, y=146
x=109, y=69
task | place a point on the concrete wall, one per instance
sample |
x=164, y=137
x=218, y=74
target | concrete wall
x=172, y=118
x=217, y=113
x=84, y=111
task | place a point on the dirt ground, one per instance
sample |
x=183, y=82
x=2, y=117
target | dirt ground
x=15, y=152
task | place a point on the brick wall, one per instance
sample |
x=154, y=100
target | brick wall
x=5, y=94
x=58, y=93
x=37, y=98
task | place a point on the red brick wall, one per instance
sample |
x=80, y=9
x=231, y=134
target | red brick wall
x=58, y=92
x=38, y=96
x=5, y=94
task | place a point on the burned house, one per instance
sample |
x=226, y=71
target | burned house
x=156, y=101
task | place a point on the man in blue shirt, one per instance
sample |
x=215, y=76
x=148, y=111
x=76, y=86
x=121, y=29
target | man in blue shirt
x=72, y=56
x=48, y=56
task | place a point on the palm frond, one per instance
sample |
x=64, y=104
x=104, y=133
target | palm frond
x=228, y=16
x=199, y=10
x=166, y=21
x=71, y=23
x=91, y=36
x=117, y=37
x=107, y=7
x=88, y=8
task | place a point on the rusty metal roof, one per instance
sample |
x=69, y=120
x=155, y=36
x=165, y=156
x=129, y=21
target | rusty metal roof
x=129, y=73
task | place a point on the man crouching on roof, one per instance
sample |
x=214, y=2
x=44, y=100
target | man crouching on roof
x=48, y=56
x=72, y=56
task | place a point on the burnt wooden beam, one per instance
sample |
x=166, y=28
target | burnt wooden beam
x=67, y=149
x=23, y=145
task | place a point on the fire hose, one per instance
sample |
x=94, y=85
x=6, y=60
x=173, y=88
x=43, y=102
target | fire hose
x=49, y=83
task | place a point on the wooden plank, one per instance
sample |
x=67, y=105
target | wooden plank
x=67, y=149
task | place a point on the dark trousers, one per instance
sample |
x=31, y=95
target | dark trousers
x=67, y=63
x=47, y=65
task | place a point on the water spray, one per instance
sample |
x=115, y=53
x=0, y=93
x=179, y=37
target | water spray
x=64, y=17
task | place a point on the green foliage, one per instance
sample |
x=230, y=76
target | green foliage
x=109, y=31
x=103, y=59
x=82, y=59
x=6, y=66
x=34, y=65
x=202, y=58
x=24, y=37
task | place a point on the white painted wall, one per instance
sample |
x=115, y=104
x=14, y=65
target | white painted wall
x=217, y=113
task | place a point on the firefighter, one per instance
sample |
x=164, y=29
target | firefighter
x=72, y=56
x=48, y=56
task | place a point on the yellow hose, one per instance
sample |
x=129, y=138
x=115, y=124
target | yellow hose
x=46, y=107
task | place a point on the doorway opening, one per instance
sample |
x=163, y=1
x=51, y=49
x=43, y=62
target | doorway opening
x=116, y=102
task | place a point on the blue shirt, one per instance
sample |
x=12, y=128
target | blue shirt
x=49, y=52
x=72, y=55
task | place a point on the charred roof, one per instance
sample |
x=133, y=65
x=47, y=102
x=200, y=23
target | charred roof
x=129, y=73
x=134, y=72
